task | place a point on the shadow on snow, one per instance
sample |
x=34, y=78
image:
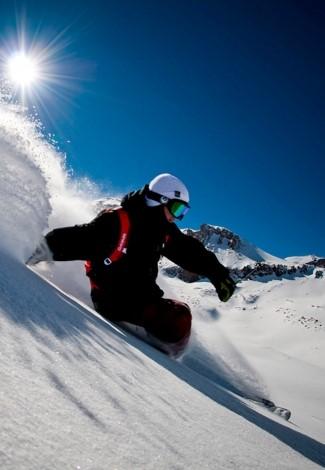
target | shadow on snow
x=76, y=325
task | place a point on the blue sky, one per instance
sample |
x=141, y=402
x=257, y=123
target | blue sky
x=228, y=95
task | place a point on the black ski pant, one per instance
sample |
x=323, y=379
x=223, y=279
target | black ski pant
x=166, y=319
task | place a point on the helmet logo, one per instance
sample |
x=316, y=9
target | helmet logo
x=177, y=193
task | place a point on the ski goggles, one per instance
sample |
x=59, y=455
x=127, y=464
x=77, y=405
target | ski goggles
x=176, y=207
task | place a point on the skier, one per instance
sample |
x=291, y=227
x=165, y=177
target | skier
x=122, y=248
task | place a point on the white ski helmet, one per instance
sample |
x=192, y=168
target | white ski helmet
x=167, y=186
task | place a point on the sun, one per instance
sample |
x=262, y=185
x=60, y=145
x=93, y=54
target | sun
x=41, y=72
x=23, y=70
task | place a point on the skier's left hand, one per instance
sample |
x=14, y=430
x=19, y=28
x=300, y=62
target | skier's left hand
x=225, y=288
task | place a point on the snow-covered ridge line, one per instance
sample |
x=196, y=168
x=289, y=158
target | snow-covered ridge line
x=216, y=236
x=244, y=259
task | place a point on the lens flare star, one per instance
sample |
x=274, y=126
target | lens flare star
x=41, y=71
x=22, y=70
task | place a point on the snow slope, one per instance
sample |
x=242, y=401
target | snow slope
x=77, y=392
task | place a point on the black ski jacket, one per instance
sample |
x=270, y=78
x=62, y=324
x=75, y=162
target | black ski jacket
x=130, y=283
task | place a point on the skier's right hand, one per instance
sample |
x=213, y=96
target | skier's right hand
x=41, y=253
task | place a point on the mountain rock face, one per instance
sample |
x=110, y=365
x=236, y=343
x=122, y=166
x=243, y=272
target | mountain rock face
x=244, y=260
x=211, y=235
x=318, y=262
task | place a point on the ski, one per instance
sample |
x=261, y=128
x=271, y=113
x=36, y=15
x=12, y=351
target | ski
x=271, y=406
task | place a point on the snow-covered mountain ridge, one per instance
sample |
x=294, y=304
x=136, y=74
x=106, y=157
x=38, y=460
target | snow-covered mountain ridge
x=244, y=259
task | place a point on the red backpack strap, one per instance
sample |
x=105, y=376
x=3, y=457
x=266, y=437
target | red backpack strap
x=121, y=246
x=122, y=243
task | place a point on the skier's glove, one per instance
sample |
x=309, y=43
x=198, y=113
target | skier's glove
x=225, y=288
x=41, y=253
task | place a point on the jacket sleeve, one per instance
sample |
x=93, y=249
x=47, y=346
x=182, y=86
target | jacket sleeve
x=82, y=242
x=190, y=254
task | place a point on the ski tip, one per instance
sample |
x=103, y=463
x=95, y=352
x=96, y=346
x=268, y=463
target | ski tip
x=286, y=415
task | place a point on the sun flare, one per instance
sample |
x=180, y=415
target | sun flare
x=22, y=70
x=40, y=72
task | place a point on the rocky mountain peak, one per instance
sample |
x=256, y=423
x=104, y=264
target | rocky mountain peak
x=214, y=235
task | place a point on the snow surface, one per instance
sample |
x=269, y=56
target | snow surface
x=77, y=392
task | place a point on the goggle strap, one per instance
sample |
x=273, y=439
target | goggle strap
x=156, y=197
